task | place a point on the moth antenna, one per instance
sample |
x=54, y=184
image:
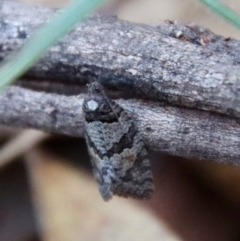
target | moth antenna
x=109, y=103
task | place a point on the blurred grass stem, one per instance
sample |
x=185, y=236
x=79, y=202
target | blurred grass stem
x=223, y=10
x=19, y=62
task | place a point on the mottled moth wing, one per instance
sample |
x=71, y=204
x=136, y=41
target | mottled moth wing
x=118, y=155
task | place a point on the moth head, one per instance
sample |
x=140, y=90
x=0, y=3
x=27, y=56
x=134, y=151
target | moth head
x=92, y=105
x=96, y=105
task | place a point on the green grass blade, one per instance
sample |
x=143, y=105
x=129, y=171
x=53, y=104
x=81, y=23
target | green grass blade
x=223, y=10
x=43, y=38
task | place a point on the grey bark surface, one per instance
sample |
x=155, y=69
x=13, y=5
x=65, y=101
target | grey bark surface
x=181, y=65
x=189, y=75
x=176, y=131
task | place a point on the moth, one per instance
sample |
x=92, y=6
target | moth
x=118, y=155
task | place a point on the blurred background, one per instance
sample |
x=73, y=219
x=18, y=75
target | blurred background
x=47, y=191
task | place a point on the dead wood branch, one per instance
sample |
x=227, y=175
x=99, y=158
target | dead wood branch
x=181, y=65
x=176, y=131
x=186, y=66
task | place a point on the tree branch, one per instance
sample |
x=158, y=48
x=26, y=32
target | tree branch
x=180, y=65
x=176, y=131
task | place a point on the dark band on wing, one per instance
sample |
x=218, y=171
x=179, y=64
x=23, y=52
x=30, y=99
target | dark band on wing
x=116, y=148
x=104, y=117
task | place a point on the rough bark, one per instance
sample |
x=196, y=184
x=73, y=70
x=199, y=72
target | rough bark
x=181, y=65
x=173, y=64
x=176, y=131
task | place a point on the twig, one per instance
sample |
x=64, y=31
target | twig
x=177, y=131
x=23, y=142
x=181, y=65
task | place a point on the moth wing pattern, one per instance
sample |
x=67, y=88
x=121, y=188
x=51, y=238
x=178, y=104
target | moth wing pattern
x=118, y=155
x=100, y=175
